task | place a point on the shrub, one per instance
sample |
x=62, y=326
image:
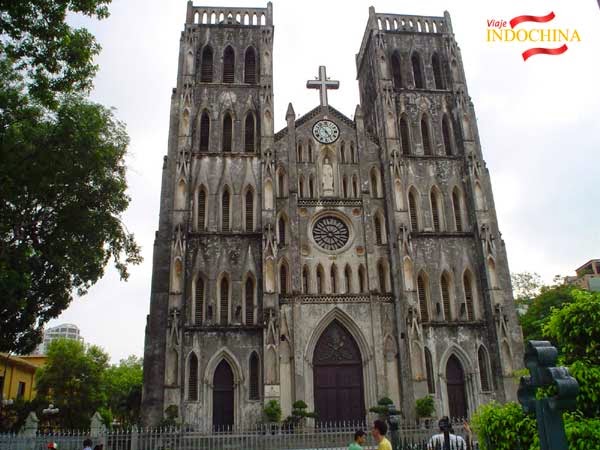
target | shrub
x=273, y=411
x=382, y=407
x=425, y=406
x=503, y=427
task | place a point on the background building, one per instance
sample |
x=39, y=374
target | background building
x=338, y=260
x=17, y=377
x=64, y=331
x=588, y=276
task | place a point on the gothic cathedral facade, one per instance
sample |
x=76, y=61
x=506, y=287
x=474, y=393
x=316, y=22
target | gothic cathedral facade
x=338, y=260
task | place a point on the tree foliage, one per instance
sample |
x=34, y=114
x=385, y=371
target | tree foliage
x=72, y=379
x=62, y=169
x=124, y=390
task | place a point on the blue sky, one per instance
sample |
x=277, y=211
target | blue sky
x=538, y=122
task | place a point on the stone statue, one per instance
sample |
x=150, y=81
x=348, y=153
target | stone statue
x=327, y=177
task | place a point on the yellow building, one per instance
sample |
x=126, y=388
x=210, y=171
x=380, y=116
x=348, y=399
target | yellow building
x=17, y=376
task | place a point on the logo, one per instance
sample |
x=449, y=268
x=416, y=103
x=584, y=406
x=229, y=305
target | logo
x=498, y=31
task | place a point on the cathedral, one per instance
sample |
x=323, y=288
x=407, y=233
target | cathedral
x=338, y=260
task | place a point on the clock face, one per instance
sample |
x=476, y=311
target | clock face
x=326, y=132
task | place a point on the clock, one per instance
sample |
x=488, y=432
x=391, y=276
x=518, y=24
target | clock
x=326, y=132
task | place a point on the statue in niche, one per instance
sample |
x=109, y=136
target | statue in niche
x=327, y=177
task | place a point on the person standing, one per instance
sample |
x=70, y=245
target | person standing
x=87, y=444
x=379, y=431
x=359, y=440
x=446, y=439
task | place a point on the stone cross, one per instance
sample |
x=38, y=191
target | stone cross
x=540, y=359
x=322, y=83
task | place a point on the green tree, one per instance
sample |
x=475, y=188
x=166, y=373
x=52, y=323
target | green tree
x=526, y=286
x=540, y=308
x=124, y=390
x=62, y=169
x=73, y=379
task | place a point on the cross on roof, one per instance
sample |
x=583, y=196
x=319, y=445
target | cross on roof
x=322, y=83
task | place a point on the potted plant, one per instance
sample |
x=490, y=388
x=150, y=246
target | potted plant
x=272, y=413
x=425, y=408
x=382, y=409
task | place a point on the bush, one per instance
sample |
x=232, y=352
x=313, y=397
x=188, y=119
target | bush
x=382, y=407
x=425, y=406
x=273, y=411
x=582, y=434
x=503, y=427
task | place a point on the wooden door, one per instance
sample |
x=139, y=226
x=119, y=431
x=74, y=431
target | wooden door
x=338, y=377
x=457, y=395
x=223, y=402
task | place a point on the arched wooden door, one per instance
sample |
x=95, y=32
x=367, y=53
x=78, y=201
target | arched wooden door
x=223, y=396
x=338, y=376
x=455, y=382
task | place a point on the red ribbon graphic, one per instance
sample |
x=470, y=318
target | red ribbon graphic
x=544, y=51
x=540, y=19
x=538, y=50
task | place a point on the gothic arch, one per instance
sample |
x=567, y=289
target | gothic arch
x=249, y=295
x=334, y=279
x=282, y=229
x=229, y=65
x=348, y=279
x=417, y=70
x=199, y=288
x=250, y=66
x=438, y=74
x=284, y=277
x=485, y=374
x=363, y=282
x=458, y=209
x=467, y=366
x=424, y=295
x=405, y=135
x=254, y=376
x=201, y=209
x=380, y=229
x=269, y=200
x=250, y=132
x=426, y=135
x=192, y=377
x=447, y=135
x=299, y=152
x=206, y=65
x=355, y=188
x=414, y=209
x=281, y=182
x=238, y=380
x=409, y=274
x=397, y=70
x=398, y=195
x=320, y=279
x=436, y=201
x=226, y=209
x=306, y=289
x=375, y=178
x=472, y=308
x=369, y=377
x=249, y=210
x=447, y=291
x=270, y=275
x=204, y=131
x=227, y=133
x=224, y=291
x=383, y=277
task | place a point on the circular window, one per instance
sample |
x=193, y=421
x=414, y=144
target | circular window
x=330, y=233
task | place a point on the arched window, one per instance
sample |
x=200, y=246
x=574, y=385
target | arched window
x=396, y=70
x=484, y=369
x=352, y=152
x=199, y=303
x=227, y=133
x=445, y=285
x=457, y=210
x=429, y=372
x=405, y=136
x=249, y=210
x=305, y=280
x=310, y=152
x=446, y=134
x=343, y=153
x=378, y=229
x=254, y=393
x=249, y=134
x=436, y=210
x=226, y=209
x=311, y=187
x=362, y=279
x=382, y=277
x=202, y=209
x=228, y=65
x=334, y=279
x=320, y=279
x=299, y=153
x=301, y=186
x=423, y=294
x=206, y=70
x=281, y=183
x=468, y=288
x=224, y=301
x=438, y=76
x=204, y=131
x=412, y=207
x=249, y=294
x=345, y=187
x=348, y=279
x=193, y=378
x=375, y=183
x=250, y=66
x=417, y=72
x=281, y=230
x=427, y=150
x=283, y=278
x=355, y=186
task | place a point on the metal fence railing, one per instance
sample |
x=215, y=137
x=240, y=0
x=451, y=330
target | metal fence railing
x=264, y=437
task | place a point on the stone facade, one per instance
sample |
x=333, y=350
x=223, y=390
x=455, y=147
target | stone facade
x=294, y=266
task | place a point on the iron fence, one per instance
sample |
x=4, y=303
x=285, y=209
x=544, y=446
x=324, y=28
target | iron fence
x=331, y=436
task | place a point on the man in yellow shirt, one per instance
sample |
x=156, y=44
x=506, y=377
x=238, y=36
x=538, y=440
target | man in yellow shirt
x=379, y=431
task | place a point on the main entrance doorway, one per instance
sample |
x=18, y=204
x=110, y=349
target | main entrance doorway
x=223, y=396
x=338, y=376
x=455, y=381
